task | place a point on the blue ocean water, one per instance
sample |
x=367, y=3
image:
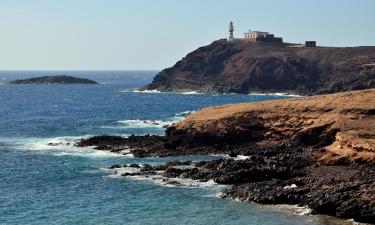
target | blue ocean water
x=42, y=184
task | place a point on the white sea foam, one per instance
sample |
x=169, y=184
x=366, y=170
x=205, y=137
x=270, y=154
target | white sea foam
x=182, y=183
x=219, y=194
x=199, y=93
x=295, y=209
x=59, y=146
x=159, y=179
x=288, y=95
x=226, y=156
x=144, y=91
x=190, y=93
x=290, y=186
x=184, y=113
x=221, y=155
x=303, y=211
x=276, y=94
x=241, y=157
x=137, y=123
x=148, y=91
x=117, y=172
x=160, y=92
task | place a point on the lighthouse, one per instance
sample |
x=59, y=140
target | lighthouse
x=231, y=30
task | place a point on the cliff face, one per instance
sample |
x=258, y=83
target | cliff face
x=244, y=67
x=342, y=124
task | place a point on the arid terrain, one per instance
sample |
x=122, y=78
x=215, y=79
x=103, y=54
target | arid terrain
x=314, y=151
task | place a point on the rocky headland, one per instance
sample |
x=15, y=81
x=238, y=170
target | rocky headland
x=314, y=151
x=245, y=67
x=61, y=79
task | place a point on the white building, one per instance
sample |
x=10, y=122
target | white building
x=261, y=36
x=256, y=34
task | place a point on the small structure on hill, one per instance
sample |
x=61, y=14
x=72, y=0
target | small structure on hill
x=264, y=37
x=311, y=44
x=261, y=36
x=231, y=31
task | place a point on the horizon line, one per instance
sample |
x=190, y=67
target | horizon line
x=78, y=70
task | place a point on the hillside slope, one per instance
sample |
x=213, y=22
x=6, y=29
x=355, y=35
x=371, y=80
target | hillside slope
x=243, y=67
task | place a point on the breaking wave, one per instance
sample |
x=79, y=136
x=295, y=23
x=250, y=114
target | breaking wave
x=185, y=113
x=137, y=123
x=276, y=94
x=158, y=179
x=148, y=124
x=214, y=94
x=160, y=92
x=58, y=146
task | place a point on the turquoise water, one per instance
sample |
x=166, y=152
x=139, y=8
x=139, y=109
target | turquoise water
x=42, y=184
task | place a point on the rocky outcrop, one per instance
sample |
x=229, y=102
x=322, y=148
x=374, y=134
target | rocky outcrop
x=314, y=151
x=284, y=177
x=62, y=79
x=343, y=123
x=243, y=67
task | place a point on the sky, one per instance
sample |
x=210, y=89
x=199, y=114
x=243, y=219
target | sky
x=154, y=34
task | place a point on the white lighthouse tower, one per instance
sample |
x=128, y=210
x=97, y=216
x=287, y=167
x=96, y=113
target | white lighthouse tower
x=231, y=30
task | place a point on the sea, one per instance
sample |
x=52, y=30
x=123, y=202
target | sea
x=44, y=179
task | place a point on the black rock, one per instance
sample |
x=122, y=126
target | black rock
x=115, y=166
x=61, y=79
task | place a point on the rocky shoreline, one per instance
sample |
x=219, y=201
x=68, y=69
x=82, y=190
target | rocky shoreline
x=317, y=152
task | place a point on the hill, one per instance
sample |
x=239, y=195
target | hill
x=244, y=67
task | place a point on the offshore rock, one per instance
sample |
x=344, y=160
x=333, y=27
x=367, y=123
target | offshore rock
x=61, y=79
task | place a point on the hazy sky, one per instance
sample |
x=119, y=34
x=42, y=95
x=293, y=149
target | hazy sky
x=153, y=34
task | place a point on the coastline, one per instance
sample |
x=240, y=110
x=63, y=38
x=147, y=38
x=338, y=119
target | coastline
x=191, y=92
x=297, y=151
x=244, y=67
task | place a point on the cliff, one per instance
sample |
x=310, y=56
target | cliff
x=244, y=67
x=62, y=79
x=343, y=124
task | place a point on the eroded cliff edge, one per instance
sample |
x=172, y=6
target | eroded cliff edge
x=245, y=67
x=343, y=123
x=314, y=151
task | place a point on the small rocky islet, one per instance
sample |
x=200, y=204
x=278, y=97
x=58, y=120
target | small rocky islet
x=60, y=79
x=314, y=151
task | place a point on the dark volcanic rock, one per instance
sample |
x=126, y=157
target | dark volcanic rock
x=115, y=166
x=288, y=176
x=244, y=67
x=62, y=79
x=315, y=151
x=100, y=140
